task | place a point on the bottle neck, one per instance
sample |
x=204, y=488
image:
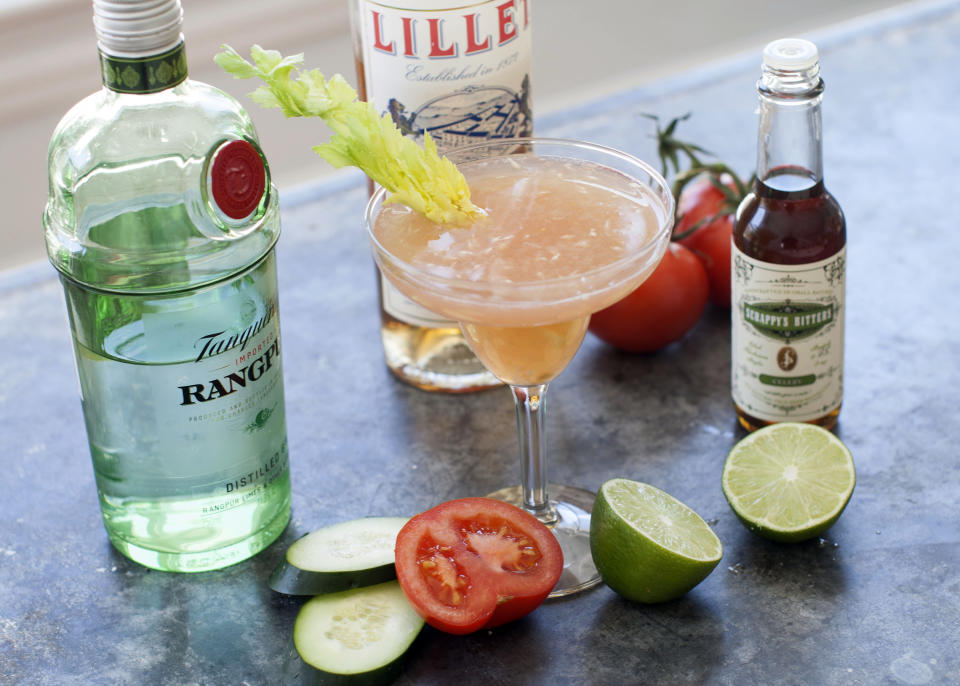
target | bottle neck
x=144, y=74
x=791, y=133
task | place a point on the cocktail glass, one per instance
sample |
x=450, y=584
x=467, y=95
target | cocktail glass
x=572, y=228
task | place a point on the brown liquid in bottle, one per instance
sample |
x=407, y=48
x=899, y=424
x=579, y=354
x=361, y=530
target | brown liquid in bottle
x=789, y=218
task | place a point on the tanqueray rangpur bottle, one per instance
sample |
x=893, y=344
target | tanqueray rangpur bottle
x=162, y=222
x=789, y=257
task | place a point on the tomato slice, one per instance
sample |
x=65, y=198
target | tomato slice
x=476, y=563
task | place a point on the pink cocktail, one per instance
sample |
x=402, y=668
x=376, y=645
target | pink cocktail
x=570, y=228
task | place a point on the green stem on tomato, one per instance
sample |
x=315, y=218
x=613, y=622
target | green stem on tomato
x=669, y=147
x=714, y=172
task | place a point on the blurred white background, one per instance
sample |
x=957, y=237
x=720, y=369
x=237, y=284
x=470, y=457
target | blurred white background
x=582, y=50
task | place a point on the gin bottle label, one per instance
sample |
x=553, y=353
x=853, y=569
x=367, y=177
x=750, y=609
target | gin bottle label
x=183, y=394
x=787, y=323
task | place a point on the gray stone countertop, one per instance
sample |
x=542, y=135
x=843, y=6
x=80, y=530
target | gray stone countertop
x=876, y=601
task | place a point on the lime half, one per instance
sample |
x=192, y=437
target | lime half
x=790, y=481
x=647, y=545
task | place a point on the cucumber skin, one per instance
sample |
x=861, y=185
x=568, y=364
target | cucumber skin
x=298, y=672
x=292, y=580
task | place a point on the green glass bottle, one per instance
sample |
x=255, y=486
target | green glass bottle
x=162, y=222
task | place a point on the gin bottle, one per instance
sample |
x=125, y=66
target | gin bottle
x=459, y=70
x=162, y=221
x=789, y=257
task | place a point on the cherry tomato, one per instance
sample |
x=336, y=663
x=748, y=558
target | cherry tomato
x=661, y=310
x=699, y=200
x=476, y=563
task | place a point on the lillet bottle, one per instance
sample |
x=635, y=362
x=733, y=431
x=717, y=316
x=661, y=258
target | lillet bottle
x=162, y=222
x=460, y=71
x=789, y=257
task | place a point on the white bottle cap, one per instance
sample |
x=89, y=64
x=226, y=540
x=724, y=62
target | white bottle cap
x=790, y=54
x=137, y=28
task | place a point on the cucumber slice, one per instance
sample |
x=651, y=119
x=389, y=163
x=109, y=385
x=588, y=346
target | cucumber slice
x=353, y=637
x=346, y=555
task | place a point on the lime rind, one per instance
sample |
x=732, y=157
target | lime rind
x=790, y=481
x=647, y=545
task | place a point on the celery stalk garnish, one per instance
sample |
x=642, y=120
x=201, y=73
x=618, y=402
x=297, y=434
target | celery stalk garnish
x=415, y=176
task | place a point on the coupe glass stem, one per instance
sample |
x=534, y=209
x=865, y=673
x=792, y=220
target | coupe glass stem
x=531, y=411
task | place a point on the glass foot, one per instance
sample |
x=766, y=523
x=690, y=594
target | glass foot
x=572, y=529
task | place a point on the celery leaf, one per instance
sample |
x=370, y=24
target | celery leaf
x=413, y=175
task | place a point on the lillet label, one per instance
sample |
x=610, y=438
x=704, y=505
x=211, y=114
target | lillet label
x=481, y=31
x=462, y=73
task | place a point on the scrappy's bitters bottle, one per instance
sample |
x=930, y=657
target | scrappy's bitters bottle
x=788, y=257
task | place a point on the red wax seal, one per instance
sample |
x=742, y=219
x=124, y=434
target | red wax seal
x=238, y=179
